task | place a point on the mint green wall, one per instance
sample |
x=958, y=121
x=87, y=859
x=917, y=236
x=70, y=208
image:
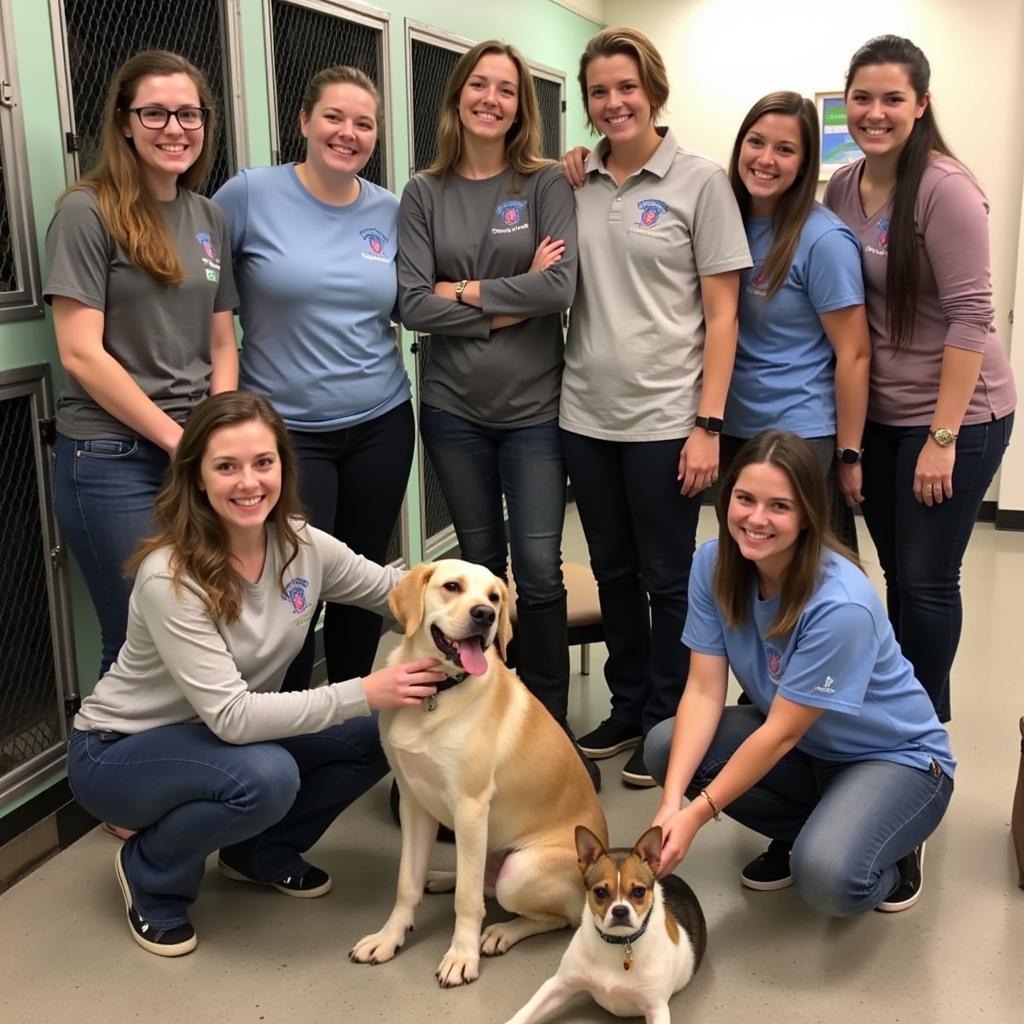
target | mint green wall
x=544, y=31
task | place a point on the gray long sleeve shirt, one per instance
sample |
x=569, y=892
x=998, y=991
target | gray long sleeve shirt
x=179, y=665
x=451, y=228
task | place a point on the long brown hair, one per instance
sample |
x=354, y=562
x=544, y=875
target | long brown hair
x=629, y=42
x=130, y=213
x=735, y=575
x=902, y=272
x=523, y=141
x=188, y=525
x=795, y=205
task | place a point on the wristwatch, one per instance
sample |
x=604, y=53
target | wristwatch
x=942, y=436
x=459, y=289
x=712, y=424
x=849, y=456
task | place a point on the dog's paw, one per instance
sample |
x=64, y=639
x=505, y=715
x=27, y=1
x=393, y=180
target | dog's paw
x=458, y=969
x=375, y=949
x=497, y=939
x=440, y=881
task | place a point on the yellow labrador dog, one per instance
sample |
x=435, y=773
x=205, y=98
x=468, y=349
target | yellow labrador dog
x=485, y=758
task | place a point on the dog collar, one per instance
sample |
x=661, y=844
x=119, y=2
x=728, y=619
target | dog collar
x=431, y=702
x=626, y=940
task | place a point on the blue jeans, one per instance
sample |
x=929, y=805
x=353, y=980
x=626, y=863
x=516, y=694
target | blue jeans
x=641, y=534
x=921, y=549
x=189, y=793
x=475, y=466
x=849, y=823
x=103, y=497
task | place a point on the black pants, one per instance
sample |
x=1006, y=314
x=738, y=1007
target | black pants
x=640, y=531
x=352, y=483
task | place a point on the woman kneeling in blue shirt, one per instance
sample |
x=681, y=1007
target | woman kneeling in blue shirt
x=839, y=759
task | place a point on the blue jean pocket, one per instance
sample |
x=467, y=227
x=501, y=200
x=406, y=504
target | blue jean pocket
x=108, y=447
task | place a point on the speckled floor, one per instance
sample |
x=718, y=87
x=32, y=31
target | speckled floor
x=65, y=954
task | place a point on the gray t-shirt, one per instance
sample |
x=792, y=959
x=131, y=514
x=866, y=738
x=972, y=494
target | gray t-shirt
x=159, y=333
x=634, y=358
x=452, y=228
x=179, y=665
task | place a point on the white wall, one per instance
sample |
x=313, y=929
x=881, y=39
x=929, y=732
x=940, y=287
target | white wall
x=592, y=9
x=722, y=55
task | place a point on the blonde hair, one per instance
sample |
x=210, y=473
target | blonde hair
x=523, y=141
x=129, y=211
x=631, y=43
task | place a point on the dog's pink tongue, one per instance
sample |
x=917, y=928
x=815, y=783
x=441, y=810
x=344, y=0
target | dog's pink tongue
x=471, y=654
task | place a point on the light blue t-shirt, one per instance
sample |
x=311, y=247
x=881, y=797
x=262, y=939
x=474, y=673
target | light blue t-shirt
x=784, y=376
x=841, y=656
x=317, y=286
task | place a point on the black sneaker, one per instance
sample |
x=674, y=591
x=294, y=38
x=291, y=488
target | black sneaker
x=635, y=772
x=176, y=941
x=609, y=738
x=908, y=890
x=770, y=871
x=311, y=883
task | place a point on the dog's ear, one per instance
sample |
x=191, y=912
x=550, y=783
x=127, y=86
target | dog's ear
x=648, y=848
x=589, y=849
x=504, y=634
x=406, y=600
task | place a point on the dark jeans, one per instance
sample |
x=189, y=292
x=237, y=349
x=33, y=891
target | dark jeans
x=103, y=497
x=476, y=465
x=921, y=549
x=641, y=533
x=850, y=823
x=189, y=793
x=352, y=483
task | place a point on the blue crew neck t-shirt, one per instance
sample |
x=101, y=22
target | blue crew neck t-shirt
x=784, y=377
x=317, y=286
x=841, y=656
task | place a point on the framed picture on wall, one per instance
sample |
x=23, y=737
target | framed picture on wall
x=837, y=145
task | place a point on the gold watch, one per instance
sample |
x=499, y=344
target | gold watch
x=942, y=436
x=459, y=289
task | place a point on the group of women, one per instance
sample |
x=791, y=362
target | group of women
x=722, y=325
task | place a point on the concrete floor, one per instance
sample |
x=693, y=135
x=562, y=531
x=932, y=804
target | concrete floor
x=958, y=956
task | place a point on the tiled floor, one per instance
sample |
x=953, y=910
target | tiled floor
x=958, y=956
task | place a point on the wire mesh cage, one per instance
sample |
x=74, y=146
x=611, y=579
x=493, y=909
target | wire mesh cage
x=305, y=42
x=32, y=723
x=8, y=264
x=101, y=34
x=549, y=98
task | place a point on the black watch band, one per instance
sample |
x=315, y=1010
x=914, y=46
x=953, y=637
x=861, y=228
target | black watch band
x=712, y=424
x=849, y=456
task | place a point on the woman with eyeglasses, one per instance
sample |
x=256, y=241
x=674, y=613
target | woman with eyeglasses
x=142, y=292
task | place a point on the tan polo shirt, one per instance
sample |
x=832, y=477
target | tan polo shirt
x=634, y=355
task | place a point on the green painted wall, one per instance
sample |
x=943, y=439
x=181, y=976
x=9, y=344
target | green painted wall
x=544, y=31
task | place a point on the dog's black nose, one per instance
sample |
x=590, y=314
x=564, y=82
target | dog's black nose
x=482, y=614
x=620, y=912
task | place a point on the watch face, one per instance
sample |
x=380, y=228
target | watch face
x=850, y=456
x=943, y=437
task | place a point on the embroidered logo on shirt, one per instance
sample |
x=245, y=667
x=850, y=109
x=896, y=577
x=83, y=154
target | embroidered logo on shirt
x=758, y=285
x=512, y=214
x=651, y=211
x=826, y=687
x=774, y=656
x=881, y=246
x=375, y=241
x=295, y=595
x=209, y=257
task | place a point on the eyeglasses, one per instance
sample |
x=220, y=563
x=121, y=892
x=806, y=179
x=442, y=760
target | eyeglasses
x=190, y=118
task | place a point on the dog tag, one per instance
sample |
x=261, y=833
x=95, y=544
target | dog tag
x=430, y=703
x=627, y=960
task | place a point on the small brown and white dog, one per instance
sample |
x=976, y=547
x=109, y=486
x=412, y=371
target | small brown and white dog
x=485, y=758
x=640, y=940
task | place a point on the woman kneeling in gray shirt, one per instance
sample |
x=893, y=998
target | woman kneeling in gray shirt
x=186, y=738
